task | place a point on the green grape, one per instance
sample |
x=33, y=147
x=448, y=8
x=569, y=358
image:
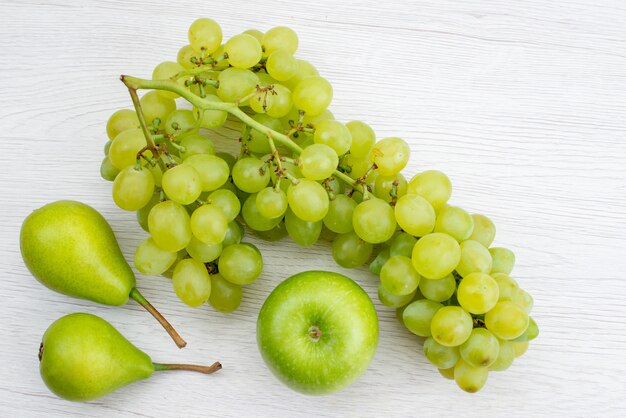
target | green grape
x=227, y=201
x=196, y=144
x=379, y=261
x=191, y=282
x=506, y=320
x=107, y=146
x=209, y=224
x=520, y=348
x=418, y=315
x=475, y=258
x=389, y=188
x=334, y=134
x=373, y=220
x=478, y=293
x=481, y=348
x=532, y=331
x=339, y=216
x=212, y=169
x=523, y=299
x=250, y=174
x=154, y=106
x=240, y=263
x=391, y=155
x=281, y=65
x=179, y=121
x=451, y=326
x=257, y=141
x=254, y=219
x=258, y=35
x=438, y=290
x=271, y=203
x=398, y=275
x=152, y=260
x=393, y=301
x=357, y=166
x=205, y=34
x=133, y=188
x=235, y=84
x=166, y=70
x=280, y=38
x=469, y=378
x=506, y=285
x=211, y=119
x=506, y=355
x=350, y=251
x=303, y=69
x=455, y=222
x=308, y=200
x=304, y=233
x=125, y=146
x=182, y=184
x=436, y=255
x=234, y=234
x=447, y=373
x=313, y=94
x=142, y=214
x=184, y=57
x=402, y=244
x=202, y=252
x=225, y=296
x=415, y=215
x=433, y=186
x=314, y=120
x=484, y=230
x=280, y=102
x=363, y=138
x=168, y=223
x=441, y=356
x=120, y=121
x=317, y=162
x=275, y=234
x=275, y=102
x=503, y=260
x=244, y=51
x=107, y=170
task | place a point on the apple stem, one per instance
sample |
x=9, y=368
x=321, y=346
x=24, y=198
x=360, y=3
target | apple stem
x=138, y=297
x=191, y=367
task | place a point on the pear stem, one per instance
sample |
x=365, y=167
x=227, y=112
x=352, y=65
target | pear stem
x=138, y=297
x=191, y=367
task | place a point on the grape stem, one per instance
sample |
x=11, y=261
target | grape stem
x=134, y=84
x=142, y=121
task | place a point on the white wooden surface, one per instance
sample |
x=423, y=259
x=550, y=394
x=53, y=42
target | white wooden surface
x=522, y=103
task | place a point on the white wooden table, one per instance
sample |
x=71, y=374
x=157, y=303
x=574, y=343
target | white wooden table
x=522, y=104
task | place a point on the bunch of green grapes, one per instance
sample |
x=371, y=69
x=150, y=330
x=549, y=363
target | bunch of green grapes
x=301, y=173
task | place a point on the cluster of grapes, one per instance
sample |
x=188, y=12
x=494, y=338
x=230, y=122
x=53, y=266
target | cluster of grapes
x=301, y=173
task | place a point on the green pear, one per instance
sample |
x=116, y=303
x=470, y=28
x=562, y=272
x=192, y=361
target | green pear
x=70, y=248
x=83, y=357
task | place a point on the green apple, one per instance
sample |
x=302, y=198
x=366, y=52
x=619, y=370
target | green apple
x=317, y=332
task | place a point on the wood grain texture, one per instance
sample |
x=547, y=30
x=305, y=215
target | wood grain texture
x=522, y=104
